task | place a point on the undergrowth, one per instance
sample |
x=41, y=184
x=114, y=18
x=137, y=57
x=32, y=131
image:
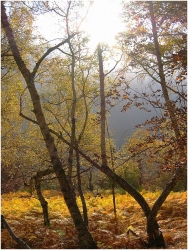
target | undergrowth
x=24, y=215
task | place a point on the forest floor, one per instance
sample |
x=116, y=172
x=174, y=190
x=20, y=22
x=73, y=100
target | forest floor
x=24, y=215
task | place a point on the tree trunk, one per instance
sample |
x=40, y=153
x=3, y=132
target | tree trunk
x=85, y=216
x=114, y=198
x=85, y=239
x=113, y=183
x=169, y=104
x=43, y=202
x=90, y=185
x=155, y=236
x=73, y=109
x=103, y=111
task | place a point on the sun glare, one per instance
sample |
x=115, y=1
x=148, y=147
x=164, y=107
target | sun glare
x=103, y=22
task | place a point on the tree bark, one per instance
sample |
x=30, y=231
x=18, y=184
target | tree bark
x=85, y=239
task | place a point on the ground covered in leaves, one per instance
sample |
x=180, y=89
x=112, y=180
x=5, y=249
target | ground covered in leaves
x=24, y=215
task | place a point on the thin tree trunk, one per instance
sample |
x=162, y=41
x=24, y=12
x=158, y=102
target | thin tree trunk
x=169, y=104
x=85, y=239
x=103, y=108
x=85, y=215
x=113, y=183
x=90, y=186
x=73, y=120
x=43, y=202
x=114, y=199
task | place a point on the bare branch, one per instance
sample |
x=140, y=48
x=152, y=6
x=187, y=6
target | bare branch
x=49, y=51
x=114, y=66
x=182, y=96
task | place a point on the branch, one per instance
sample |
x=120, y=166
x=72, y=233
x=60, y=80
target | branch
x=183, y=97
x=4, y=54
x=44, y=172
x=64, y=52
x=18, y=240
x=90, y=4
x=158, y=203
x=147, y=71
x=113, y=67
x=86, y=107
x=29, y=119
x=62, y=127
x=49, y=51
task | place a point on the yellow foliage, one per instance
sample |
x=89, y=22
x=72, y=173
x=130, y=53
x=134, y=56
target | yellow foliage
x=24, y=214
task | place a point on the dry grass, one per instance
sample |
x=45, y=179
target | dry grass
x=24, y=215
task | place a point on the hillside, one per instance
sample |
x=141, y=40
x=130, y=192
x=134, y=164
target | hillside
x=23, y=213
